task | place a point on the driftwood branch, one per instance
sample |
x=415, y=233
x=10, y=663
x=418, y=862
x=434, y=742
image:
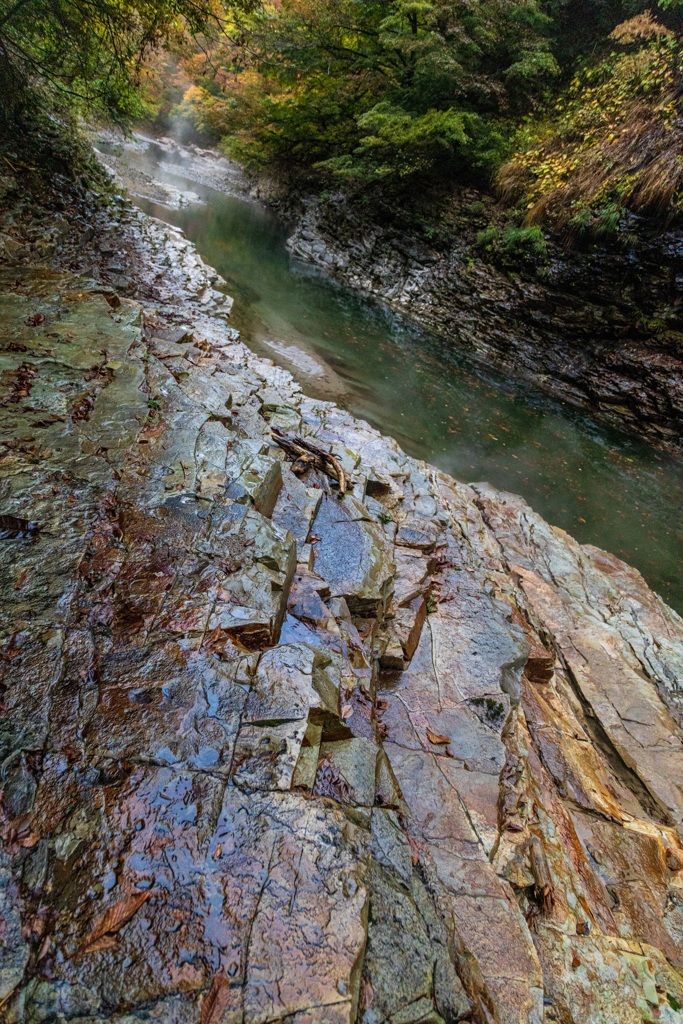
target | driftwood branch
x=306, y=455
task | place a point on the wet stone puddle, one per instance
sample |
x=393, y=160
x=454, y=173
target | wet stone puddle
x=602, y=487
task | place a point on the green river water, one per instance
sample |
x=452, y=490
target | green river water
x=603, y=487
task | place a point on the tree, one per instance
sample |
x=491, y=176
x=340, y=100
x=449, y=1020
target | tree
x=388, y=88
x=88, y=52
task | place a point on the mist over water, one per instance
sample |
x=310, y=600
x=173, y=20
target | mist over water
x=601, y=486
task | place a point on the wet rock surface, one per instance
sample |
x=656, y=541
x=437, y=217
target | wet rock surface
x=602, y=329
x=406, y=756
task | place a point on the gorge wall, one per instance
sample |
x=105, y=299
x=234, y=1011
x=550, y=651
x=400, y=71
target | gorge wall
x=598, y=328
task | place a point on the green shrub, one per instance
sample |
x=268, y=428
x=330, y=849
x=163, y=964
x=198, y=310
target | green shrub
x=513, y=246
x=612, y=141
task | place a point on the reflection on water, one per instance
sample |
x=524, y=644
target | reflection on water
x=602, y=487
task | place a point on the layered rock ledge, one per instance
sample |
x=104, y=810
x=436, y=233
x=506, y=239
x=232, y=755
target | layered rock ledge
x=408, y=755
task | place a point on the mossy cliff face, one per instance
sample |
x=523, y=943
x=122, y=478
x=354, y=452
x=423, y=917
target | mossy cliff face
x=600, y=328
x=270, y=753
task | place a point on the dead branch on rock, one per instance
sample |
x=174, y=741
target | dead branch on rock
x=543, y=887
x=306, y=455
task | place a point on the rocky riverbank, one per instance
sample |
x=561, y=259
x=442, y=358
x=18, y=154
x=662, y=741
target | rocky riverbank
x=204, y=166
x=601, y=327
x=271, y=752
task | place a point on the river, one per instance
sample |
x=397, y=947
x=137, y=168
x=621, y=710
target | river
x=603, y=487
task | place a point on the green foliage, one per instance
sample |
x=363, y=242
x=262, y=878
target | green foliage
x=575, y=105
x=493, y=710
x=388, y=90
x=401, y=143
x=397, y=91
x=513, y=246
x=476, y=209
x=87, y=54
x=208, y=114
x=611, y=142
x=586, y=223
x=291, y=129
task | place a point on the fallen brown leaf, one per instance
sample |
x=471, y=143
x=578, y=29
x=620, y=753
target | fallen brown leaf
x=437, y=738
x=37, y=318
x=20, y=580
x=215, y=1000
x=367, y=994
x=10, y=649
x=28, y=839
x=47, y=421
x=346, y=711
x=330, y=782
x=99, y=945
x=113, y=919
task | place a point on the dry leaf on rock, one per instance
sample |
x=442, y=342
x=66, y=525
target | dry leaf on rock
x=367, y=994
x=28, y=839
x=112, y=920
x=20, y=580
x=215, y=1000
x=437, y=738
x=346, y=711
x=48, y=420
x=99, y=945
x=330, y=782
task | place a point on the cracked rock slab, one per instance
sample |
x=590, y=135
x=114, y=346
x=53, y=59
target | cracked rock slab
x=408, y=757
